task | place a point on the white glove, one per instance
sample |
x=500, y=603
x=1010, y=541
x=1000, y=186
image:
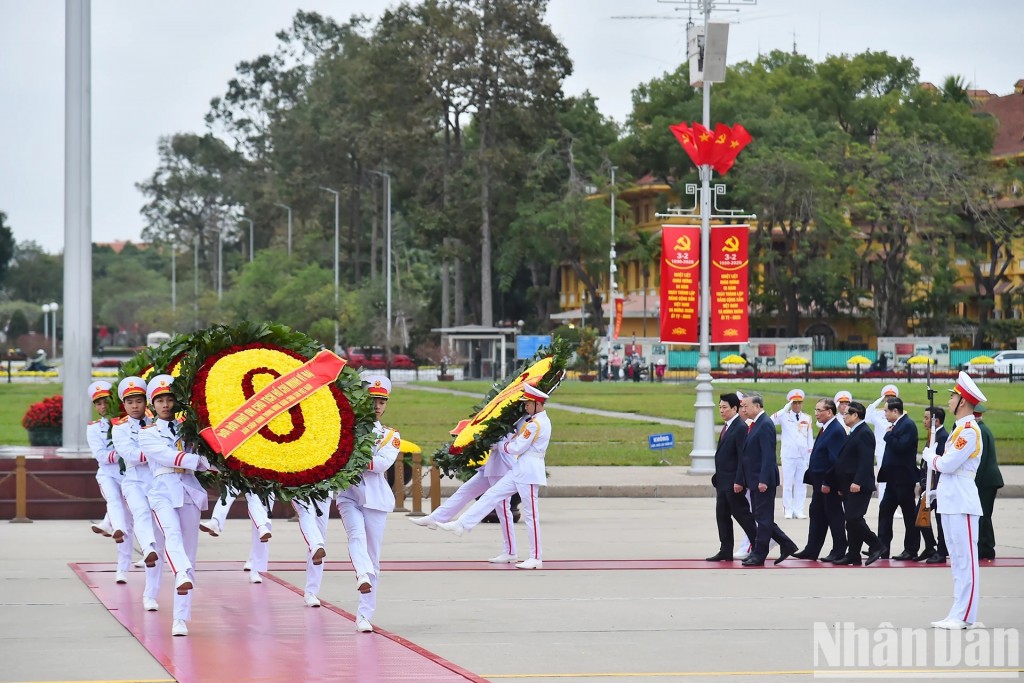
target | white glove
x=929, y=454
x=203, y=465
x=931, y=498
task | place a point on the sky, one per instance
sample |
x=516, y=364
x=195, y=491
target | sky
x=157, y=65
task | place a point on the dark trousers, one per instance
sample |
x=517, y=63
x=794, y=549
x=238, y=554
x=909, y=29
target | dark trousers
x=826, y=514
x=730, y=505
x=858, y=533
x=899, y=495
x=986, y=534
x=763, y=505
x=928, y=536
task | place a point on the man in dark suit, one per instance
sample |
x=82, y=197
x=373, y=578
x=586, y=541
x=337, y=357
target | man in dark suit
x=730, y=504
x=759, y=472
x=826, y=510
x=854, y=479
x=988, y=480
x=899, y=472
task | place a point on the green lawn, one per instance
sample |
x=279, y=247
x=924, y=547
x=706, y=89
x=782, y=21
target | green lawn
x=425, y=418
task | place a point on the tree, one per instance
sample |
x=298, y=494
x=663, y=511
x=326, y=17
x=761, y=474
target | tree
x=35, y=275
x=6, y=247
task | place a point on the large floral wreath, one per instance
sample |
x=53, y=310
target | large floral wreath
x=496, y=415
x=319, y=445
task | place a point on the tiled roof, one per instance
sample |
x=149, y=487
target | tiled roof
x=1009, y=112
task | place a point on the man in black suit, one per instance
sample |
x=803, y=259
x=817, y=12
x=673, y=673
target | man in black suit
x=854, y=479
x=730, y=504
x=759, y=472
x=826, y=509
x=934, y=552
x=899, y=472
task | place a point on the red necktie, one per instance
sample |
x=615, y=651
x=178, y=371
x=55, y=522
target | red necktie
x=821, y=430
x=721, y=435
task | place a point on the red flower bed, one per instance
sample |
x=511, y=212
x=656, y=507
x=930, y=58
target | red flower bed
x=47, y=413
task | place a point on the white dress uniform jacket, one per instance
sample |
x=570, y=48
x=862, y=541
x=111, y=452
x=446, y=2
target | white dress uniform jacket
x=797, y=437
x=373, y=491
x=529, y=446
x=173, y=467
x=956, y=492
x=96, y=434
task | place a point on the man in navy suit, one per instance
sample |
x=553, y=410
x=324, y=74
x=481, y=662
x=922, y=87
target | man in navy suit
x=759, y=472
x=899, y=472
x=854, y=479
x=730, y=504
x=826, y=510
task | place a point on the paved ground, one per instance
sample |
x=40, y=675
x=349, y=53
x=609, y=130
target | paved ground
x=551, y=625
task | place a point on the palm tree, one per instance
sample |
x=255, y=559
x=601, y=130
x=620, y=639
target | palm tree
x=954, y=89
x=644, y=249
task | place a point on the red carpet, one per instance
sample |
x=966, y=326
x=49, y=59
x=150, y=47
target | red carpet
x=289, y=642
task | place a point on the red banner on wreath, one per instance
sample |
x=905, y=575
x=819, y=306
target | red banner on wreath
x=619, y=302
x=730, y=301
x=273, y=400
x=680, y=283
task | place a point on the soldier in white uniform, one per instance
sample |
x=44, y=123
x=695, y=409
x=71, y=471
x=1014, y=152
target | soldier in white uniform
x=880, y=423
x=842, y=400
x=313, y=527
x=498, y=464
x=262, y=528
x=136, y=483
x=176, y=496
x=957, y=497
x=364, y=507
x=529, y=444
x=797, y=440
x=109, y=477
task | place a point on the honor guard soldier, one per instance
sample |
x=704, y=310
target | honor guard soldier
x=259, y=552
x=797, y=440
x=528, y=445
x=842, y=400
x=176, y=496
x=364, y=507
x=109, y=476
x=957, y=497
x=137, y=480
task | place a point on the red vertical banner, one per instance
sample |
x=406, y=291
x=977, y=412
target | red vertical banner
x=730, y=300
x=680, y=283
x=619, y=302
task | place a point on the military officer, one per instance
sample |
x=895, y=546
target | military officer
x=797, y=440
x=109, y=477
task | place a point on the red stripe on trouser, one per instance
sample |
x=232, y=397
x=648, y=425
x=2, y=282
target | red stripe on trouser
x=970, y=537
x=536, y=539
x=166, y=554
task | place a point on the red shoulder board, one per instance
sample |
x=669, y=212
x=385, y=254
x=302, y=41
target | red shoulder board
x=119, y=420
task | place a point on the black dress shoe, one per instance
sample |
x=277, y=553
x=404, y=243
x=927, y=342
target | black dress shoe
x=987, y=557
x=874, y=555
x=904, y=556
x=722, y=556
x=804, y=555
x=832, y=557
x=788, y=552
x=848, y=561
x=753, y=561
x=936, y=559
x=925, y=554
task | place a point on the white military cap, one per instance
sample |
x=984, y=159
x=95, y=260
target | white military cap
x=379, y=386
x=795, y=395
x=131, y=386
x=532, y=393
x=890, y=390
x=843, y=396
x=966, y=387
x=99, y=389
x=161, y=384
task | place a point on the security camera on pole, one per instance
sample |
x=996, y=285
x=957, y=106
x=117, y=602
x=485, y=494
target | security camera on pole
x=706, y=49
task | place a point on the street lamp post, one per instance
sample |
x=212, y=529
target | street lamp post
x=252, y=244
x=611, y=270
x=387, y=213
x=336, y=250
x=289, y=210
x=53, y=347
x=46, y=320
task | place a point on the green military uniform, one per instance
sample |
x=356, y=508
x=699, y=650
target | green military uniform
x=988, y=480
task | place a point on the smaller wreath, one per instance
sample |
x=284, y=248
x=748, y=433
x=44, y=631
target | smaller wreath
x=496, y=415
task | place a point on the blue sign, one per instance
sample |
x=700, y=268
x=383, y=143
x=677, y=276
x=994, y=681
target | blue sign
x=656, y=442
x=529, y=344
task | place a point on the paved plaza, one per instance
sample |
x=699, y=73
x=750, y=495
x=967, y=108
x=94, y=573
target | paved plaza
x=642, y=615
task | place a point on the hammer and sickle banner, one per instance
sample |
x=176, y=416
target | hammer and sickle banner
x=680, y=283
x=276, y=398
x=619, y=302
x=730, y=264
